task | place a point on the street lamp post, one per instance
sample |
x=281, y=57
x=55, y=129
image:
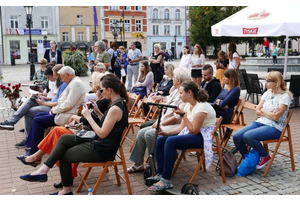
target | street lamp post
x=175, y=55
x=28, y=10
x=116, y=30
x=45, y=43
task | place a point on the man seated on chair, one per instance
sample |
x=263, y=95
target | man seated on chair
x=169, y=121
x=210, y=83
x=68, y=104
x=30, y=107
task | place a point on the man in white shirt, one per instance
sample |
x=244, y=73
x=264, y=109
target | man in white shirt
x=134, y=56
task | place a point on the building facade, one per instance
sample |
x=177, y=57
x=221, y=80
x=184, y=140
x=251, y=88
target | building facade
x=135, y=25
x=16, y=35
x=77, y=28
x=167, y=26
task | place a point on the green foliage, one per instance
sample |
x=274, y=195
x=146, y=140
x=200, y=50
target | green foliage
x=75, y=59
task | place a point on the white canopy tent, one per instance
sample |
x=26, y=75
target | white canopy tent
x=259, y=21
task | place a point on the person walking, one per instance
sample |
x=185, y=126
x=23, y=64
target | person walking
x=133, y=57
x=170, y=55
x=197, y=62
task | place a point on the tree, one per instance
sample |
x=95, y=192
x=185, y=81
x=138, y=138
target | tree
x=75, y=59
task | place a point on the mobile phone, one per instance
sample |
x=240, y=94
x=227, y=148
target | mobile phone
x=89, y=105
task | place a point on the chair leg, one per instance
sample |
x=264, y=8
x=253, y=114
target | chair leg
x=132, y=146
x=178, y=162
x=291, y=149
x=84, y=179
x=117, y=175
x=202, y=160
x=100, y=178
x=125, y=171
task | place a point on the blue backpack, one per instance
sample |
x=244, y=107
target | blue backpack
x=249, y=163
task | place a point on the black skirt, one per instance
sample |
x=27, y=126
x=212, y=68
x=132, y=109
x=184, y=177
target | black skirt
x=196, y=73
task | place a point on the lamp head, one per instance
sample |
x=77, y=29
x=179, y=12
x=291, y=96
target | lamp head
x=28, y=10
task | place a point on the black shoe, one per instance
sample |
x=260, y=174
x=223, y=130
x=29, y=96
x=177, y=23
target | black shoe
x=25, y=155
x=33, y=164
x=21, y=144
x=7, y=126
x=22, y=130
x=59, y=184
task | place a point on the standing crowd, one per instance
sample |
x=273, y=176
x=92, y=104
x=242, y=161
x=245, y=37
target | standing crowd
x=191, y=87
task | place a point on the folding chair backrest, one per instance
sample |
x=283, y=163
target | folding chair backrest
x=276, y=69
x=152, y=87
x=246, y=105
x=135, y=104
x=294, y=85
x=235, y=112
x=252, y=83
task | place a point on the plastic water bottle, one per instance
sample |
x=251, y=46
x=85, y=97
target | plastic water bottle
x=90, y=192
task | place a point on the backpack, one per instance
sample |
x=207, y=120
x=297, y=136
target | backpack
x=113, y=59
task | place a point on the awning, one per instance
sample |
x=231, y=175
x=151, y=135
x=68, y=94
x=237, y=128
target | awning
x=65, y=45
x=81, y=45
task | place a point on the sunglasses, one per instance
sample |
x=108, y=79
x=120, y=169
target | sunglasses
x=101, y=90
x=268, y=81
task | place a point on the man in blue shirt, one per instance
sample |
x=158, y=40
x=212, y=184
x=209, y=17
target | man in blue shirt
x=31, y=107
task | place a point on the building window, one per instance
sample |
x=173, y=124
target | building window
x=113, y=7
x=126, y=7
x=138, y=8
x=80, y=36
x=155, y=30
x=138, y=25
x=79, y=19
x=14, y=46
x=44, y=22
x=167, y=14
x=167, y=30
x=155, y=14
x=127, y=25
x=14, y=22
x=177, y=14
x=177, y=30
x=95, y=39
x=65, y=36
x=112, y=22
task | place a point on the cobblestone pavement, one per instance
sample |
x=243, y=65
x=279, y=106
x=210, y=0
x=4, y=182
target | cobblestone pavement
x=280, y=180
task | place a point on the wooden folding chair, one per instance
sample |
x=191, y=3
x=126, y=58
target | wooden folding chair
x=105, y=165
x=238, y=123
x=152, y=88
x=135, y=104
x=283, y=138
x=140, y=118
x=201, y=156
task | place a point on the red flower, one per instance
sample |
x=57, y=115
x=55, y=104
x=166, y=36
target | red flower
x=7, y=88
x=19, y=84
x=13, y=87
x=8, y=84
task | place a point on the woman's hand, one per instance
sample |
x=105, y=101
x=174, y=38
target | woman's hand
x=178, y=111
x=218, y=101
x=154, y=125
x=40, y=100
x=95, y=108
x=85, y=112
x=74, y=118
x=163, y=133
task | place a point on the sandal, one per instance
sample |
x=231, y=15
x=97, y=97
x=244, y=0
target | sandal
x=152, y=180
x=134, y=168
x=157, y=188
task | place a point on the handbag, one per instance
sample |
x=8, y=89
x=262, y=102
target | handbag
x=84, y=135
x=139, y=89
x=217, y=107
x=229, y=163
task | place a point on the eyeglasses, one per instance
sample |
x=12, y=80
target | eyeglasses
x=268, y=81
x=101, y=90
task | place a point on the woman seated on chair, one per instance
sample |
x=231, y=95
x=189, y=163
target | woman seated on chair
x=229, y=96
x=49, y=142
x=169, y=121
x=195, y=131
x=144, y=82
x=272, y=111
x=104, y=147
x=166, y=83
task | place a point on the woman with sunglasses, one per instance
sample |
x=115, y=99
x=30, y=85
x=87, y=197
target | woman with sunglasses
x=272, y=112
x=103, y=148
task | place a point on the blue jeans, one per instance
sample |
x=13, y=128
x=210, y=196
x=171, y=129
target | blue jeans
x=165, y=150
x=41, y=121
x=252, y=134
x=267, y=51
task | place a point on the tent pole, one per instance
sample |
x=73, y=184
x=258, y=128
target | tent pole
x=286, y=55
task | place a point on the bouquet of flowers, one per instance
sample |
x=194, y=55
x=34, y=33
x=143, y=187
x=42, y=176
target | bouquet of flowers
x=12, y=93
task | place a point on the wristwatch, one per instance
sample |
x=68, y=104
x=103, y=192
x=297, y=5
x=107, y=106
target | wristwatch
x=182, y=114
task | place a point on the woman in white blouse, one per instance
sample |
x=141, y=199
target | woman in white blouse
x=198, y=60
x=186, y=58
x=234, y=58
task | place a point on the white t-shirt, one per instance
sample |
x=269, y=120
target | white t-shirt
x=205, y=107
x=233, y=63
x=270, y=103
x=52, y=89
x=186, y=61
x=133, y=55
x=198, y=60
